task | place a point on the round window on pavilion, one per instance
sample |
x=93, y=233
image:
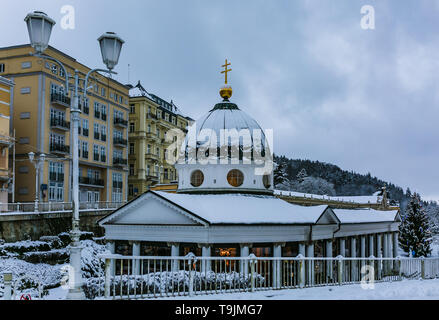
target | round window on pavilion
x=235, y=178
x=197, y=178
x=266, y=181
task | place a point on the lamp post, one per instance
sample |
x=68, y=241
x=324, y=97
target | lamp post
x=40, y=27
x=37, y=163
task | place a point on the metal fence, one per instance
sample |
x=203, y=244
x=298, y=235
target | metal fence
x=55, y=206
x=141, y=277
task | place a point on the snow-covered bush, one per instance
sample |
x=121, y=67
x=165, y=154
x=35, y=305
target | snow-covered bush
x=21, y=247
x=65, y=238
x=52, y=257
x=54, y=241
x=162, y=282
x=91, y=265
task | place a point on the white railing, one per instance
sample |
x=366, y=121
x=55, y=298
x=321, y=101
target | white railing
x=43, y=207
x=141, y=277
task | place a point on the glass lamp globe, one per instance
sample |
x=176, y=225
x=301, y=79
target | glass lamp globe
x=39, y=26
x=111, y=45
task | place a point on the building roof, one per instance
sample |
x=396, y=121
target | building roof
x=244, y=209
x=352, y=199
x=365, y=215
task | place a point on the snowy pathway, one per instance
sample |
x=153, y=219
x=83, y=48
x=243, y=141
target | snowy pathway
x=402, y=290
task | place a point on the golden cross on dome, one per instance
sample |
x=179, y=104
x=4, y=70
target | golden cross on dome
x=226, y=70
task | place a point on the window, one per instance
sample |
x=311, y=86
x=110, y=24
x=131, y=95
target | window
x=84, y=148
x=25, y=90
x=25, y=115
x=235, y=178
x=85, y=127
x=131, y=190
x=149, y=128
x=96, y=131
x=132, y=127
x=103, y=133
x=132, y=108
x=97, y=109
x=61, y=73
x=131, y=148
x=54, y=69
x=266, y=180
x=103, y=112
x=95, y=152
x=148, y=148
x=23, y=169
x=197, y=178
x=26, y=65
x=117, y=187
x=2, y=67
x=103, y=92
x=103, y=154
x=131, y=169
x=96, y=88
x=157, y=151
x=157, y=131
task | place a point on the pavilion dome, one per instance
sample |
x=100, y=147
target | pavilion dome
x=225, y=151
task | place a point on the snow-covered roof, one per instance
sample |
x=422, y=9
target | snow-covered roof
x=365, y=215
x=138, y=92
x=353, y=199
x=244, y=209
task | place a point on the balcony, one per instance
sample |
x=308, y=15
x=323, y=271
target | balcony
x=59, y=148
x=152, y=177
x=119, y=142
x=120, y=122
x=151, y=156
x=56, y=176
x=91, y=181
x=151, y=116
x=59, y=123
x=4, y=175
x=60, y=99
x=120, y=162
x=152, y=136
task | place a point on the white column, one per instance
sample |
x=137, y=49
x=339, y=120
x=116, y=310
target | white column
x=371, y=246
x=175, y=252
x=205, y=252
x=136, y=263
x=363, y=246
x=354, y=264
x=379, y=255
x=395, y=244
x=302, y=250
x=390, y=249
x=385, y=252
x=343, y=247
x=245, y=252
x=277, y=253
x=310, y=254
x=111, y=247
x=329, y=255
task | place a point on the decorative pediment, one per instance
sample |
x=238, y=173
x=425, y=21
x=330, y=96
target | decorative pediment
x=151, y=209
x=328, y=217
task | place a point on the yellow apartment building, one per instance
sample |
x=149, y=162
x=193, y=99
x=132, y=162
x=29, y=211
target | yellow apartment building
x=6, y=141
x=156, y=130
x=40, y=114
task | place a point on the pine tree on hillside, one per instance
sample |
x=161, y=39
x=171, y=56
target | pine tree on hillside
x=415, y=229
x=280, y=173
x=301, y=175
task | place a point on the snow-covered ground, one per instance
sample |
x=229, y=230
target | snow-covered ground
x=400, y=290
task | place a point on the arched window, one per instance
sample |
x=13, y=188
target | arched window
x=235, y=178
x=197, y=178
x=266, y=180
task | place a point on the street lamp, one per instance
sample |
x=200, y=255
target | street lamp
x=40, y=27
x=37, y=163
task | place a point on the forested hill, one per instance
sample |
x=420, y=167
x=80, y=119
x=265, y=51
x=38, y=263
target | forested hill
x=325, y=178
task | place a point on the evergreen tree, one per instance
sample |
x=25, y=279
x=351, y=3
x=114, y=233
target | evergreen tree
x=280, y=173
x=415, y=229
x=301, y=175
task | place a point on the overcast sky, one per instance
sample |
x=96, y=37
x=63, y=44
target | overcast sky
x=365, y=100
